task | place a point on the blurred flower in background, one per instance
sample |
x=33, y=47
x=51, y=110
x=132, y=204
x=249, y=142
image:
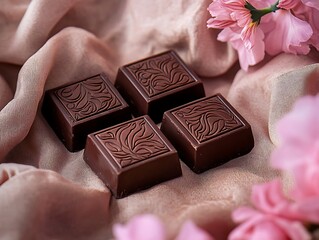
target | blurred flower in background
x=294, y=215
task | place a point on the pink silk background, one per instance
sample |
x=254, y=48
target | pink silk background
x=47, y=192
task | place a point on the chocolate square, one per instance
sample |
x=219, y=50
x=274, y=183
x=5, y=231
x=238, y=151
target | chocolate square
x=207, y=132
x=131, y=156
x=77, y=109
x=158, y=83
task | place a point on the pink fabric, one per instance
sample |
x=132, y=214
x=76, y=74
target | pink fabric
x=47, y=43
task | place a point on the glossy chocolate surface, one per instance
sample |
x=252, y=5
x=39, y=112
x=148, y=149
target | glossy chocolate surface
x=158, y=83
x=207, y=132
x=83, y=107
x=131, y=156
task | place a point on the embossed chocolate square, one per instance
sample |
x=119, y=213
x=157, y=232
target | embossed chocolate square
x=77, y=109
x=158, y=83
x=131, y=156
x=207, y=132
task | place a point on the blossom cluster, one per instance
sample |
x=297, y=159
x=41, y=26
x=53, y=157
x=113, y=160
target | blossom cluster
x=257, y=27
x=293, y=214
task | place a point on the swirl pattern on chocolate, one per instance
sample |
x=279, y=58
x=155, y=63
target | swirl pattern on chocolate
x=86, y=98
x=132, y=142
x=207, y=119
x=160, y=74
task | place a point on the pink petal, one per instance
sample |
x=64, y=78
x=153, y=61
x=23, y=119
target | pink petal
x=268, y=230
x=246, y=228
x=242, y=214
x=247, y=57
x=311, y=3
x=263, y=227
x=288, y=4
x=267, y=196
x=229, y=34
x=306, y=175
x=250, y=56
x=220, y=16
x=290, y=34
x=294, y=230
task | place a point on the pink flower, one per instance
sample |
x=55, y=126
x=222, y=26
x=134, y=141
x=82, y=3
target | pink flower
x=253, y=27
x=149, y=227
x=236, y=21
x=298, y=154
x=298, y=133
x=233, y=14
x=274, y=218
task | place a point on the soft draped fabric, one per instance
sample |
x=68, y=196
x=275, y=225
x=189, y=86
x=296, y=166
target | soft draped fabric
x=47, y=192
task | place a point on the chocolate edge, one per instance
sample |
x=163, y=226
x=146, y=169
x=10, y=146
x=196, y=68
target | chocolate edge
x=73, y=138
x=172, y=128
x=123, y=175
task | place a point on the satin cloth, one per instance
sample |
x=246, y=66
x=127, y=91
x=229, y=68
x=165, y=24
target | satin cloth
x=47, y=192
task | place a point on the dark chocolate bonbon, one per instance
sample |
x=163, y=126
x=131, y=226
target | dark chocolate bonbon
x=131, y=156
x=158, y=83
x=207, y=132
x=77, y=109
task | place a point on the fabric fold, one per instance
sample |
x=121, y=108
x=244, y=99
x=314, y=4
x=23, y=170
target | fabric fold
x=41, y=204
